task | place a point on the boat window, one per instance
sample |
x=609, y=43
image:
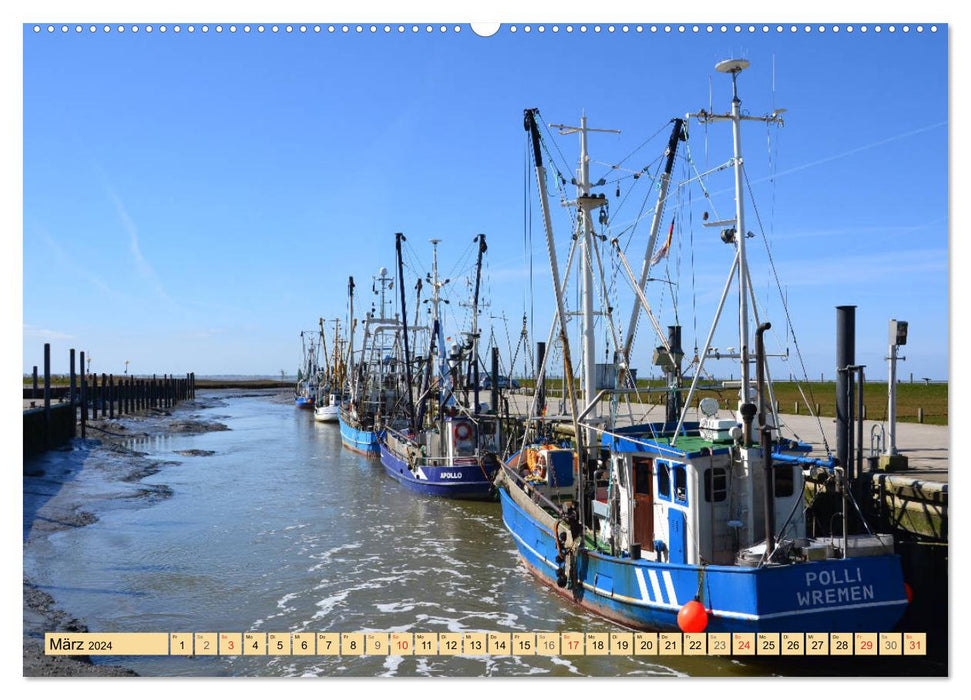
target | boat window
x=663, y=480
x=716, y=485
x=680, y=484
x=642, y=477
x=783, y=478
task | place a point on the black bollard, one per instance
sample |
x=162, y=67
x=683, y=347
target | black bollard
x=845, y=357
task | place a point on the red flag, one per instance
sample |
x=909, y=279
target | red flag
x=663, y=250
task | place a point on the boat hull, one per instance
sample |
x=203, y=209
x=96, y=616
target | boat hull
x=864, y=594
x=327, y=414
x=304, y=402
x=461, y=481
x=365, y=442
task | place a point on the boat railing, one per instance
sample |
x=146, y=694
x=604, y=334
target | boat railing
x=533, y=493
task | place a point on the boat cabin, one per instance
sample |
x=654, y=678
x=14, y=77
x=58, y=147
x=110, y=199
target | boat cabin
x=700, y=501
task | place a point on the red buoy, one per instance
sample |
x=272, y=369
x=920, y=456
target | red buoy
x=692, y=617
x=910, y=593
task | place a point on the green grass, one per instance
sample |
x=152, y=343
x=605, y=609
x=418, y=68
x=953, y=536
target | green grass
x=910, y=397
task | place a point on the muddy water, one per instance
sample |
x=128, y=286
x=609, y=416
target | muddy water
x=272, y=526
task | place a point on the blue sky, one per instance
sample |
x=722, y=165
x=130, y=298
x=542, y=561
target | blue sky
x=198, y=199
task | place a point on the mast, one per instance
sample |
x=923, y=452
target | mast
x=529, y=123
x=677, y=134
x=737, y=233
x=323, y=340
x=436, y=322
x=735, y=67
x=475, y=326
x=350, y=341
x=398, y=237
x=585, y=203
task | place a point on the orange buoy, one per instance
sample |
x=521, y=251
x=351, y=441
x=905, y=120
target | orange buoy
x=910, y=593
x=692, y=617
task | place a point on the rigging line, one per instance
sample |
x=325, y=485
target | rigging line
x=556, y=145
x=694, y=288
x=775, y=274
x=630, y=190
x=701, y=181
x=644, y=143
x=605, y=300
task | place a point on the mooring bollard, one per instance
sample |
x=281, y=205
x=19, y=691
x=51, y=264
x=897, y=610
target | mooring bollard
x=920, y=415
x=795, y=408
x=817, y=409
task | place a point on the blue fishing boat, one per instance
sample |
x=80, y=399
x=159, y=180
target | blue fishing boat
x=373, y=384
x=449, y=446
x=674, y=524
x=308, y=376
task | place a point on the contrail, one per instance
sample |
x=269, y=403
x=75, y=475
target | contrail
x=143, y=265
x=852, y=151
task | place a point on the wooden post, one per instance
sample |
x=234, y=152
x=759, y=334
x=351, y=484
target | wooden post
x=74, y=381
x=111, y=396
x=796, y=407
x=34, y=394
x=84, y=399
x=864, y=411
x=94, y=396
x=817, y=409
x=104, y=395
x=47, y=392
x=920, y=415
x=154, y=392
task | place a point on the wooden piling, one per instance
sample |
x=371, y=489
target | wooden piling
x=84, y=399
x=795, y=407
x=47, y=393
x=920, y=415
x=111, y=396
x=73, y=380
x=33, y=393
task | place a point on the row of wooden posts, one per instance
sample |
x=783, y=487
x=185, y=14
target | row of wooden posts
x=113, y=395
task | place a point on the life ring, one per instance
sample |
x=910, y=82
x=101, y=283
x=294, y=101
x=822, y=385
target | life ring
x=463, y=431
x=541, y=466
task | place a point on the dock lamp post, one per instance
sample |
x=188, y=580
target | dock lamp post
x=890, y=460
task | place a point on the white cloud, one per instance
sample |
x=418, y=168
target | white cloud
x=31, y=331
